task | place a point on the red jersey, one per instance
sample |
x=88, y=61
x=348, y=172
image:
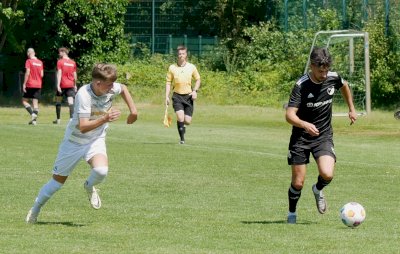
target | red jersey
x=68, y=68
x=35, y=76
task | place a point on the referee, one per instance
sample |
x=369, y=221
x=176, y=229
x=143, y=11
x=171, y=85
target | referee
x=180, y=75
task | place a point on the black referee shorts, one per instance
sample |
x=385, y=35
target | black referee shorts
x=183, y=102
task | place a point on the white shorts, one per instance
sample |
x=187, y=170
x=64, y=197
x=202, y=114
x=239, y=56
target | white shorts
x=70, y=153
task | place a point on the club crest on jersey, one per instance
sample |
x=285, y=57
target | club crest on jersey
x=331, y=90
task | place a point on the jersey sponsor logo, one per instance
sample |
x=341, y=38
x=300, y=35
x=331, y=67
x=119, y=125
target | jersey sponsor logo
x=318, y=104
x=310, y=96
x=69, y=64
x=331, y=90
x=36, y=64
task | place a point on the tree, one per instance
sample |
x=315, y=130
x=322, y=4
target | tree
x=9, y=18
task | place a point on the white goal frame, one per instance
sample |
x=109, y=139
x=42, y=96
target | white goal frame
x=350, y=35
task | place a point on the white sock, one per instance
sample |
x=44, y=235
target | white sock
x=97, y=175
x=290, y=213
x=45, y=194
x=315, y=190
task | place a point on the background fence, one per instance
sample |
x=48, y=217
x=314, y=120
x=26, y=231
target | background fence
x=164, y=22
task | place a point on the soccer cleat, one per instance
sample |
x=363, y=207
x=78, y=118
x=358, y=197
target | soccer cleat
x=93, y=196
x=31, y=217
x=182, y=142
x=57, y=121
x=320, y=201
x=32, y=122
x=291, y=218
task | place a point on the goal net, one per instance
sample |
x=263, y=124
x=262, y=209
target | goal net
x=350, y=53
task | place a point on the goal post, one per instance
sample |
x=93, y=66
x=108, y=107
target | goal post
x=350, y=52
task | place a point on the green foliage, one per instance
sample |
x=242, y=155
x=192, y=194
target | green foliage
x=10, y=18
x=93, y=30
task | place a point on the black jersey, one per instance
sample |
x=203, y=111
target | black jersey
x=314, y=103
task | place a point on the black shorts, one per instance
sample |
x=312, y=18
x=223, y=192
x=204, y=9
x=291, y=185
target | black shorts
x=67, y=92
x=299, y=150
x=183, y=102
x=33, y=93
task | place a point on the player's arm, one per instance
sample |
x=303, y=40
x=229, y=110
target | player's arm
x=85, y=124
x=293, y=119
x=196, y=87
x=75, y=81
x=26, y=76
x=59, y=74
x=126, y=95
x=346, y=93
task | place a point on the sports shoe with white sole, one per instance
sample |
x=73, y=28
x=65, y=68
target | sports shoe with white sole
x=291, y=218
x=33, y=121
x=31, y=217
x=93, y=196
x=320, y=201
x=57, y=121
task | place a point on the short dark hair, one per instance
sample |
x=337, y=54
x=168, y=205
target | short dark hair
x=320, y=57
x=64, y=49
x=181, y=47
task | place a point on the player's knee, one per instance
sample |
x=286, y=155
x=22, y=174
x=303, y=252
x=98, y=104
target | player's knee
x=101, y=171
x=327, y=176
x=298, y=185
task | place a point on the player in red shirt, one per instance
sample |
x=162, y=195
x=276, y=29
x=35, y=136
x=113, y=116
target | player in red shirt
x=66, y=82
x=32, y=85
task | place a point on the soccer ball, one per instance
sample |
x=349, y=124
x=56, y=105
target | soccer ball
x=352, y=214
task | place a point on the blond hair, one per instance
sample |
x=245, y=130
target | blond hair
x=104, y=72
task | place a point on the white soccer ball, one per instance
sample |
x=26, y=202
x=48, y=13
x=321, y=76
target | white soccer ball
x=352, y=214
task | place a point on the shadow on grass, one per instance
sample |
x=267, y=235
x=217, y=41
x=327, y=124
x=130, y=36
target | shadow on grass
x=276, y=222
x=63, y=223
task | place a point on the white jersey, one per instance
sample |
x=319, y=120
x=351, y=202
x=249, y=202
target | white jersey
x=89, y=105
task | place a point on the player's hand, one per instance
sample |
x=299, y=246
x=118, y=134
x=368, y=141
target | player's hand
x=59, y=89
x=194, y=95
x=352, y=116
x=112, y=115
x=24, y=88
x=166, y=101
x=132, y=118
x=310, y=129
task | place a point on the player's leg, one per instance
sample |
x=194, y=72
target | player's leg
x=27, y=106
x=98, y=161
x=325, y=158
x=294, y=192
x=58, y=108
x=177, y=103
x=70, y=101
x=298, y=158
x=180, y=123
x=68, y=157
x=35, y=103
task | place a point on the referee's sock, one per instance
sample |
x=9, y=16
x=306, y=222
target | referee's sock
x=181, y=130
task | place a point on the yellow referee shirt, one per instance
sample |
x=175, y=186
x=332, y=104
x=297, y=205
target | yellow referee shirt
x=181, y=77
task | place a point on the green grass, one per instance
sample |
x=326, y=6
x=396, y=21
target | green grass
x=225, y=191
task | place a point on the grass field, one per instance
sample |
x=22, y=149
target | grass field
x=225, y=191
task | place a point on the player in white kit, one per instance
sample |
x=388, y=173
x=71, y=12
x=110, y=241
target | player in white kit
x=85, y=136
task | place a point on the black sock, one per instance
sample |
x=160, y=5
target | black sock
x=181, y=130
x=294, y=196
x=321, y=183
x=71, y=110
x=29, y=109
x=58, y=110
x=36, y=111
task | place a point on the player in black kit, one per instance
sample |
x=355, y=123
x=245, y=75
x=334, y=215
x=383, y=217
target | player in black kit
x=310, y=112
